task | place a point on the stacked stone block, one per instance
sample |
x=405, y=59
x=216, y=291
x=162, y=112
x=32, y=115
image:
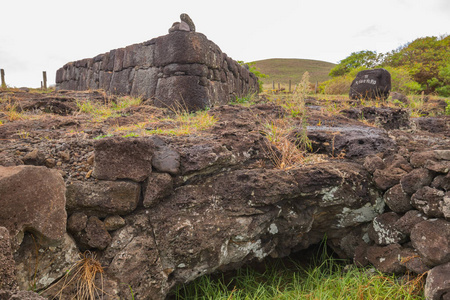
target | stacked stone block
x=180, y=70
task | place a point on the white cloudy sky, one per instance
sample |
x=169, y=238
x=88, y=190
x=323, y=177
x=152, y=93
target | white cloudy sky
x=43, y=35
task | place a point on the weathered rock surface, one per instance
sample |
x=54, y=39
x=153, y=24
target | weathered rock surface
x=383, y=230
x=407, y=222
x=103, y=198
x=32, y=199
x=415, y=180
x=373, y=162
x=386, y=258
x=233, y=217
x=159, y=185
x=389, y=177
x=38, y=267
x=430, y=201
x=352, y=141
x=7, y=263
x=438, y=283
x=114, y=156
x=397, y=200
x=431, y=240
x=385, y=117
x=371, y=84
x=20, y=295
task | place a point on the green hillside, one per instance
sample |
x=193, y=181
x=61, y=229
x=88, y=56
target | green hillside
x=281, y=70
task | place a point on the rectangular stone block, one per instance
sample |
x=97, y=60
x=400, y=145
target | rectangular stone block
x=123, y=158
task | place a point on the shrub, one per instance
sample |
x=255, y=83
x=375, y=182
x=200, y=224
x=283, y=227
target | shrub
x=402, y=81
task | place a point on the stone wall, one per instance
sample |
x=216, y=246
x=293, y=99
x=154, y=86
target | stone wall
x=160, y=211
x=181, y=68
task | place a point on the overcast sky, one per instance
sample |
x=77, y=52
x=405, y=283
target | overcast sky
x=43, y=35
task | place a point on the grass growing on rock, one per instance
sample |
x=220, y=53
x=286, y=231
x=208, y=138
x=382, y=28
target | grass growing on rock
x=102, y=111
x=185, y=123
x=326, y=278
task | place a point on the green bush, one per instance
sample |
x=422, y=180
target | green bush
x=401, y=81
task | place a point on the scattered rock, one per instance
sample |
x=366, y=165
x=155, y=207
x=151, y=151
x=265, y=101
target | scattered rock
x=416, y=179
x=159, y=185
x=387, y=178
x=430, y=201
x=20, y=295
x=353, y=141
x=413, y=262
x=430, y=239
x=96, y=234
x=373, y=162
x=77, y=222
x=442, y=182
x=407, y=222
x=185, y=18
x=167, y=160
x=437, y=286
x=397, y=200
x=35, y=158
x=386, y=259
x=50, y=163
x=114, y=222
x=383, y=230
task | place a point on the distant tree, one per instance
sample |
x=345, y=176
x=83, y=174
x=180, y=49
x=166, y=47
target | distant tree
x=426, y=59
x=365, y=58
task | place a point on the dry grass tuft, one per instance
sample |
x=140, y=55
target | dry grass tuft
x=82, y=275
x=284, y=149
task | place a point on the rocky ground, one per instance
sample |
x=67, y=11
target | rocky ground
x=52, y=131
x=183, y=205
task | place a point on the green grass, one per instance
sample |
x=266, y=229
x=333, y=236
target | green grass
x=102, y=111
x=282, y=70
x=327, y=278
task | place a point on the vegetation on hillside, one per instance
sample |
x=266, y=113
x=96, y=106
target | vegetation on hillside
x=281, y=70
x=420, y=66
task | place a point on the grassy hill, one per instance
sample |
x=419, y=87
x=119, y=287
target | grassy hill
x=281, y=70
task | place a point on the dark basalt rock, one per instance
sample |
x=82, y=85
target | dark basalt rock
x=438, y=283
x=431, y=240
x=181, y=71
x=386, y=117
x=371, y=84
x=349, y=141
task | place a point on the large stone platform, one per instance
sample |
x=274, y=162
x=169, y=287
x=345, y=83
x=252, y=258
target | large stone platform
x=181, y=70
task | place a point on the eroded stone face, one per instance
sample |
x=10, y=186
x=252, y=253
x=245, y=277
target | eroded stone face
x=114, y=156
x=231, y=217
x=103, y=198
x=431, y=239
x=32, y=199
x=438, y=283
